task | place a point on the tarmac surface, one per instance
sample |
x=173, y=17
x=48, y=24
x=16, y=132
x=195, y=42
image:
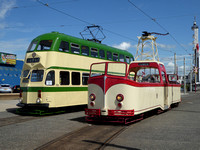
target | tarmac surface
x=178, y=128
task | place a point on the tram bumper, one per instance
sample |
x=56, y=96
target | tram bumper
x=117, y=116
x=44, y=105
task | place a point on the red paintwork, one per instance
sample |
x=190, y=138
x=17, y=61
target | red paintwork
x=96, y=112
x=120, y=112
x=107, y=81
x=114, y=80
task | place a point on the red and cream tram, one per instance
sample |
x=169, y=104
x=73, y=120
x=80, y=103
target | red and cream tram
x=118, y=93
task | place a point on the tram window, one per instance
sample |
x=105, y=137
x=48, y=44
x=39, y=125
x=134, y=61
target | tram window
x=163, y=77
x=25, y=73
x=121, y=58
x=75, y=78
x=115, y=57
x=109, y=55
x=64, y=46
x=50, y=79
x=116, y=69
x=127, y=59
x=44, y=45
x=132, y=59
x=94, y=52
x=32, y=46
x=64, y=78
x=85, y=50
x=97, y=69
x=101, y=53
x=148, y=75
x=37, y=75
x=75, y=48
x=85, y=77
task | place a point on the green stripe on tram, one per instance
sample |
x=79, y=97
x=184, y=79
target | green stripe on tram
x=67, y=68
x=54, y=89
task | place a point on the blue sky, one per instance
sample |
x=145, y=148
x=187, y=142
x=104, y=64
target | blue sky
x=23, y=20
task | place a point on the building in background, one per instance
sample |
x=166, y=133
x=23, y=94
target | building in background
x=10, y=69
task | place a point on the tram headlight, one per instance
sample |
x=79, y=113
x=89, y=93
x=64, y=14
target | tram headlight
x=92, y=97
x=39, y=100
x=20, y=100
x=120, y=97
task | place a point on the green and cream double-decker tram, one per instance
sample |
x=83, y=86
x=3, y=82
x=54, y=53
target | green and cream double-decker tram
x=56, y=69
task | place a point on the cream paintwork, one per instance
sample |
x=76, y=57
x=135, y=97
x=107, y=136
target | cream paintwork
x=58, y=59
x=99, y=101
x=139, y=99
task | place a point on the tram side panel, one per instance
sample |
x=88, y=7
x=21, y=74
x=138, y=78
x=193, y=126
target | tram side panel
x=173, y=95
x=139, y=99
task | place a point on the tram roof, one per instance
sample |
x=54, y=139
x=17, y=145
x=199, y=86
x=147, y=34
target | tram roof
x=57, y=35
x=147, y=61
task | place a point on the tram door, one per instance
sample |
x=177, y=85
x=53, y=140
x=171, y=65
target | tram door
x=166, y=90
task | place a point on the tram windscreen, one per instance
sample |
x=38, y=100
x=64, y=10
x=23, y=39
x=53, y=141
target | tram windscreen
x=37, y=75
x=117, y=69
x=97, y=69
x=32, y=46
x=45, y=45
x=148, y=75
x=25, y=73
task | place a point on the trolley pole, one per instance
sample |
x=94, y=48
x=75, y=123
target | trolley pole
x=184, y=78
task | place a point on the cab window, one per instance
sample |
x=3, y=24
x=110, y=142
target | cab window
x=50, y=78
x=37, y=75
x=32, y=46
x=45, y=45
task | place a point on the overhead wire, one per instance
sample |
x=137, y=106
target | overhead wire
x=28, y=6
x=154, y=20
x=81, y=20
x=47, y=5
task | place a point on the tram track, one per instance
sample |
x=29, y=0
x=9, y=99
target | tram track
x=88, y=137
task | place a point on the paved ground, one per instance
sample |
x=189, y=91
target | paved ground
x=34, y=133
x=178, y=128
x=7, y=104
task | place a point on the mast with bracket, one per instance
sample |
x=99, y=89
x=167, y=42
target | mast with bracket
x=147, y=47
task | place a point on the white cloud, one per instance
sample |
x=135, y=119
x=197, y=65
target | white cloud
x=18, y=47
x=5, y=6
x=164, y=46
x=170, y=64
x=123, y=45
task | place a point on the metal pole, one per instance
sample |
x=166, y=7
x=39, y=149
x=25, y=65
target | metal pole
x=174, y=63
x=191, y=70
x=184, y=78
